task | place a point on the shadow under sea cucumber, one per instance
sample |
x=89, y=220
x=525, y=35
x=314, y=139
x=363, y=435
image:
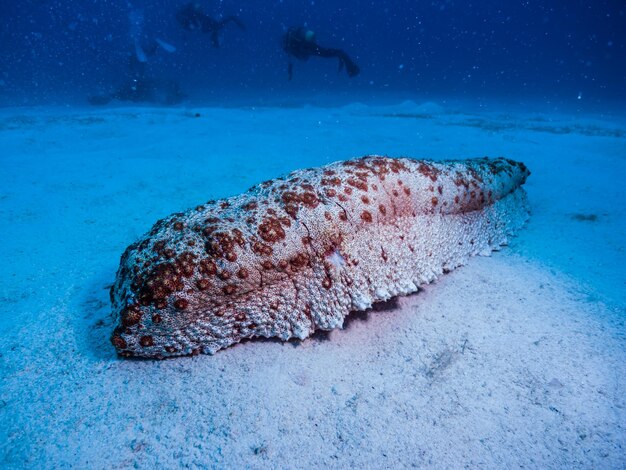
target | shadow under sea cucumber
x=299, y=253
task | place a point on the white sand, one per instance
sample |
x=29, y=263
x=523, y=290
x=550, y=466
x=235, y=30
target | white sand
x=515, y=360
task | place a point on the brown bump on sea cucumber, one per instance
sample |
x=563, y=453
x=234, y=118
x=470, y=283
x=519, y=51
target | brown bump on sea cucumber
x=118, y=342
x=146, y=341
x=208, y=231
x=206, y=266
x=366, y=216
x=292, y=210
x=224, y=275
x=310, y=200
x=357, y=183
x=181, y=304
x=299, y=261
x=203, y=284
x=131, y=316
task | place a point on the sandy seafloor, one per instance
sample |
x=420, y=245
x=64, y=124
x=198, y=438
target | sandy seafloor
x=514, y=360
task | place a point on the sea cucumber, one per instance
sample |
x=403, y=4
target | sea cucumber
x=299, y=253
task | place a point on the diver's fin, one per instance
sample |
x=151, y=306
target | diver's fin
x=139, y=53
x=239, y=23
x=352, y=69
x=345, y=61
x=235, y=20
x=165, y=45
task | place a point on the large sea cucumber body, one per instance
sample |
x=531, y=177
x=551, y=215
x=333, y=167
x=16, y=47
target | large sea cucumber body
x=299, y=253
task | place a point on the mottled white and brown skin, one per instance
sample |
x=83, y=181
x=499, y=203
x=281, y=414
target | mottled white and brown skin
x=297, y=254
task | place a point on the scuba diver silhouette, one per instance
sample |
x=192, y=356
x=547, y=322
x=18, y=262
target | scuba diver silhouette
x=145, y=46
x=138, y=85
x=191, y=17
x=155, y=91
x=299, y=42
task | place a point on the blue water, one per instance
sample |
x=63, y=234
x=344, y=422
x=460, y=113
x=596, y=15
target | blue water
x=569, y=54
x=518, y=360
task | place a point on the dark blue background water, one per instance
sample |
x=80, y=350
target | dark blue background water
x=561, y=52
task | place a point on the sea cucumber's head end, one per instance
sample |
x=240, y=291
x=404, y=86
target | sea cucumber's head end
x=136, y=333
x=119, y=343
x=519, y=168
x=523, y=170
